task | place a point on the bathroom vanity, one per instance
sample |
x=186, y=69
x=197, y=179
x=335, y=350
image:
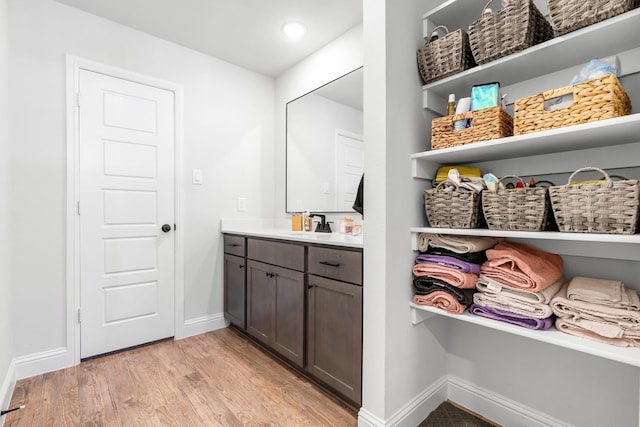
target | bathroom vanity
x=299, y=295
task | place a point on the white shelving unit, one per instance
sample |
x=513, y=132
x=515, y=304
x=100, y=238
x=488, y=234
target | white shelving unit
x=593, y=141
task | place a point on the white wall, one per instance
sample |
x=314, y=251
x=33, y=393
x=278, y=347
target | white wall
x=330, y=62
x=228, y=133
x=6, y=336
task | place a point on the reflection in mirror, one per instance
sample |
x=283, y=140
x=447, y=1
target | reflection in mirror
x=325, y=149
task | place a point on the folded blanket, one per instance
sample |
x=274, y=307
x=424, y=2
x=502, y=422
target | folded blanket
x=513, y=318
x=521, y=266
x=472, y=257
x=450, y=262
x=454, y=277
x=460, y=244
x=537, y=310
x=606, y=292
x=427, y=285
x=442, y=300
x=490, y=286
x=564, y=307
x=567, y=326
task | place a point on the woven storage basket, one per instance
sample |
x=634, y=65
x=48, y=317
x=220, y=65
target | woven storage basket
x=445, y=56
x=571, y=15
x=525, y=209
x=488, y=123
x=597, y=99
x=452, y=208
x=511, y=29
x=609, y=207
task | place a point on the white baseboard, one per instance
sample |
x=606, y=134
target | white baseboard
x=204, y=324
x=41, y=363
x=413, y=412
x=7, y=387
x=492, y=406
x=497, y=408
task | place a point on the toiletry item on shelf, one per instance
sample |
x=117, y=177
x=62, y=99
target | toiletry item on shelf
x=451, y=105
x=307, y=221
x=485, y=95
x=491, y=181
x=487, y=13
x=464, y=105
x=296, y=221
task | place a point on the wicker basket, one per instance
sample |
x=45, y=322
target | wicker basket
x=486, y=124
x=597, y=99
x=511, y=29
x=571, y=15
x=445, y=56
x=524, y=209
x=609, y=207
x=452, y=208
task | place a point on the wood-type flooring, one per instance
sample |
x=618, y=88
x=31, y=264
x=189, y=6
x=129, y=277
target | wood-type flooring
x=215, y=379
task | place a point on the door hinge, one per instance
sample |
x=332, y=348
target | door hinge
x=79, y=316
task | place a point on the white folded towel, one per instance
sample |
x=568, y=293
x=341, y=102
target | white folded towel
x=569, y=326
x=606, y=292
x=490, y=286
x=458, y=244
x=538, y=311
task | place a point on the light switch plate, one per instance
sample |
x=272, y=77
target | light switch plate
x=242, y=204
x=197, y=177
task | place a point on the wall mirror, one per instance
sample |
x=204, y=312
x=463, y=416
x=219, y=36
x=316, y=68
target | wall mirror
x=325, y=148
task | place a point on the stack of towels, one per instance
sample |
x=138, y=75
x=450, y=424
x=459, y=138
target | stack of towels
x=601, y=310
x=516, y=285
x=446, y=271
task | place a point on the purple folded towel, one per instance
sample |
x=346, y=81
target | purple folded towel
x=447, y=261
x=513, y=318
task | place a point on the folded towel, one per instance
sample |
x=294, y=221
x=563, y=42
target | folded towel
x=460, y=244
x=564, y=307
x=521, y=266
x=427, y=285
x=567, y=326
x=513, y=318
x=450, y=262
x=499, y=301
x=442, y=300
x=454, y=277
x=490, y=286
x=472, y=257
x=606, y=292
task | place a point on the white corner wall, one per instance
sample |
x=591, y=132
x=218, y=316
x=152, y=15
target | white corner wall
x=328, y=63
x=228, y=133
x=6, y=329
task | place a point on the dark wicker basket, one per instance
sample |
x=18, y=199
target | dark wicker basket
x=571, y=15
x=509, y=30
x=444, y=56
x=453, y=208
x=609, y=207
x=523, y=209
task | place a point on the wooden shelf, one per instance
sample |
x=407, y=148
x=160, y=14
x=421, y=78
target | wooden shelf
x=605, y=38
x=629, y=356
x=603, y=133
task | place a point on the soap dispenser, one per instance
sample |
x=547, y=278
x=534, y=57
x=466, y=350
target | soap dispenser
x=307, y=222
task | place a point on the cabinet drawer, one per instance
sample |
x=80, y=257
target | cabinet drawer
x=277, y=253
x=337, y=264
x=234, y=245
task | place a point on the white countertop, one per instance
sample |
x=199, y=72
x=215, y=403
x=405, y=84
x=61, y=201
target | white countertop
x=276, y=230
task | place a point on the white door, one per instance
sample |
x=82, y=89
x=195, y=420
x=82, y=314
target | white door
x=349, y=168
x=126, y=147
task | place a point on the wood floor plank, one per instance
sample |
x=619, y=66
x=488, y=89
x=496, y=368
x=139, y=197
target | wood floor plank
x=215, y=379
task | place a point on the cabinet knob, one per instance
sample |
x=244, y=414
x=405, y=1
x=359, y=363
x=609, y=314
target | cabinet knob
x=270, y=274
x=241, y=266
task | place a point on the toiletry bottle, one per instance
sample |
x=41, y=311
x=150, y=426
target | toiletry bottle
x=451, y=105
x=296, y=221
x=307, y=221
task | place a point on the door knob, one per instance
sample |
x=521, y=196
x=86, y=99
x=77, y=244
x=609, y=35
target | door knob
x=166, y=228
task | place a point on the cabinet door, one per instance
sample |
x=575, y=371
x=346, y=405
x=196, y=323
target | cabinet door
x=234, y=289
x=289, y=314
x=334, y=338
x=260, y=301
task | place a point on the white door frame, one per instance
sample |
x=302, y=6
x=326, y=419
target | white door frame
x=73, y=66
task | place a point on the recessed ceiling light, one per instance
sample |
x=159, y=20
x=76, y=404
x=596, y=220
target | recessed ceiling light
x=294, y=30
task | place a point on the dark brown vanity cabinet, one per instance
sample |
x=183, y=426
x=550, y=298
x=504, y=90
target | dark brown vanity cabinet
x=275, y=296
x=334, y=313
x=235, y=280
